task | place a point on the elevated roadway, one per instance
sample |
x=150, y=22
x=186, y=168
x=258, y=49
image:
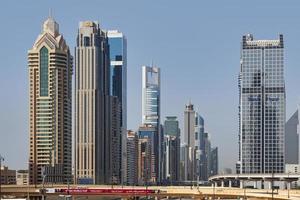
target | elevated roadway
x=54, y=191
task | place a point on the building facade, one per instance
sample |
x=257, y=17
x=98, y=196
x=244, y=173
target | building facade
x=151, y=95
x=262, y=106
x=118, y=85
x=132, y=158
x=293, y=169
x=188, y=138
x=8, y=176
x=22, y=177
x=171, y=149
x=97, y=113
x=213, y=162
x=148, y=162
x=292, y=139
x=201, y=154
x=151, y=109
x=50, y=106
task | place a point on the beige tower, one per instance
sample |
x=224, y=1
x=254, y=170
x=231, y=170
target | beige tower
x=97, y=113
x=50, y=77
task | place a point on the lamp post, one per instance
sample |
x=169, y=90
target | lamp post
x=272, y=184
x=1, y=159
x=244, y=184
x=43, y=187
x=214, y=192
x=289, y=185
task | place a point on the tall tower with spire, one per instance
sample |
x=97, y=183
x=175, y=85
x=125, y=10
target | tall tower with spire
x=50, y=106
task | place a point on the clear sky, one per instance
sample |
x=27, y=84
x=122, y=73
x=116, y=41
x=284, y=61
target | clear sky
x=195, y=43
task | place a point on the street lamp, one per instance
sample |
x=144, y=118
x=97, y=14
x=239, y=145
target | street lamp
x=214, y=192
x=272, y=184
x=244, y=185
x=289, y=185
x=1, y=159
x=43, y=187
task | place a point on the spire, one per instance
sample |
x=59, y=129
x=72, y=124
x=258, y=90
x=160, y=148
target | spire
x=50, y=25
x=50, y=13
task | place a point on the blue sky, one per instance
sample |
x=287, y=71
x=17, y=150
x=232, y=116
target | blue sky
x=195, y=43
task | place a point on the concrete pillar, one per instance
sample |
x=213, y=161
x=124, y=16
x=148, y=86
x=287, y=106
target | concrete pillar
x=288, y=186
x=255, y=184
x=269, y=185
x=222, y=183
x=230, y=183
x=262, y=184
x=241, y=184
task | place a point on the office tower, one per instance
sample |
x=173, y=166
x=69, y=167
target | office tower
x=213, y=162
x=207, y=155
x=151, y=96
x=132, y=158
x=172, y=149
x=200, y=148
x=148, y=162
x=145, y=162
x=171, y=126
x=50, y=106
x=97, y=113
x=118, y=84
x=292, y=140
x=189, y=142
x=262, y=106
x=151, y=108
x=183, y=161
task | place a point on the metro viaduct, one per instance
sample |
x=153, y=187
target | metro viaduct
x=243, y=178
x=34, y=193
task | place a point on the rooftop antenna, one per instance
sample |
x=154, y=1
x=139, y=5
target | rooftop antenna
x=50, y=13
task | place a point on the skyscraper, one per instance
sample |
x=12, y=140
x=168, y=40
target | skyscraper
x=200, y=148
x=97, y=113
x=189, y=142
x=148, y=162
x=132, y=158
x=262, y=106
x=151, y=96
x=118, y=84
x=213, y=162
x=50, y=107
x=151, y=108
x=172, y=149
x=292, y=139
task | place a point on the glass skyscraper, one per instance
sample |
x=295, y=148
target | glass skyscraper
x=262, y=106
x=171, y=149
x=118, y=85
x=151, y=96
x=151, y=109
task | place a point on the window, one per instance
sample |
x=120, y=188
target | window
x=44, y=71
x=86, y=41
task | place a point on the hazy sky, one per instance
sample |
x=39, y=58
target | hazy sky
x=195, y=43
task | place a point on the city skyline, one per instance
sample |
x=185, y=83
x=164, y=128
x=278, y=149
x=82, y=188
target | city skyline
x=169, y=90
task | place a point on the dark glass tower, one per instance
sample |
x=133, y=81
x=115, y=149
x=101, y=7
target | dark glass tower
x=262, y=106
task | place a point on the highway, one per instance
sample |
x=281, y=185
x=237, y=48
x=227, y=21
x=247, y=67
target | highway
x=139, y=191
